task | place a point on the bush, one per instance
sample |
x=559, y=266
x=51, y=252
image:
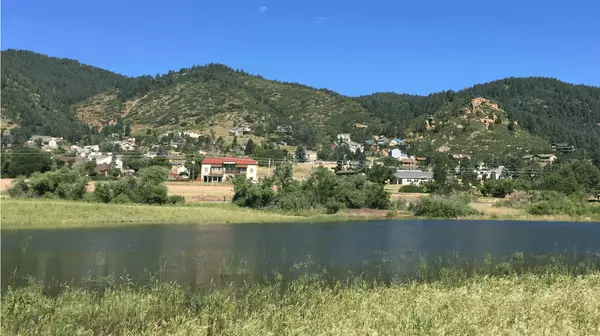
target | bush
x=517, y=199
x=443, y=207
x=62, y=184
x=554, y=203
x=498, y=188
x=176, y=199
x=121, y=199
x=411, y=189
x=333, y=207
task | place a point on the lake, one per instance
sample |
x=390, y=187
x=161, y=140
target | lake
x=205, y=256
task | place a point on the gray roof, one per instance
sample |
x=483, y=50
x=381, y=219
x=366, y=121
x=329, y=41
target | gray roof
x=413, y=174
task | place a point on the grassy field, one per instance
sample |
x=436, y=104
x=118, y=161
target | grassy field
x=30, y=214
x=512, y=305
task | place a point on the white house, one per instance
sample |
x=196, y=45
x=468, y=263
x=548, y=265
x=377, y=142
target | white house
x=397, y=154
x=412, y=177
x=128, y=146
x=311, y=156
x=226, y=168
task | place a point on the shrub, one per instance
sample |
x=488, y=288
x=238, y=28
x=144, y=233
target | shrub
x=63, y=184
x=498, y=188
x=411, y=189
x=516, y=199
x=176, y=199
x=443, y=207
x=121, y=199
x=333, y=207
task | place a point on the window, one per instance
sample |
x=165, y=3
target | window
x=250, y=170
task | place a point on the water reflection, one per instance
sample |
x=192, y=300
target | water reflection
x=204, y=256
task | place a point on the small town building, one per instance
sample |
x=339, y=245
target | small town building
x=412, y=177
x=397, y=154
x=222, y=169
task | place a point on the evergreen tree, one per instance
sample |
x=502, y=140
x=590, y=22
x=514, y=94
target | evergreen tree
x=249, y=147
x=300, y=154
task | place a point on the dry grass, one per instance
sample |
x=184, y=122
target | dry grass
x=525, y=305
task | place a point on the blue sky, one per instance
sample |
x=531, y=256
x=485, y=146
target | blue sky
x=353, y=47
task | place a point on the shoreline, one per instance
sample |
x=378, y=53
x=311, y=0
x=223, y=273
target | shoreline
x=20, y=214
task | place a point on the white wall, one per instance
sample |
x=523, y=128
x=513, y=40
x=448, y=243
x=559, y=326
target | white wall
x=252, y=172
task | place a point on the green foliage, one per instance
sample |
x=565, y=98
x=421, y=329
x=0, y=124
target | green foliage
x=322, y=189
x=380, y=174
x=25, y=161
x=62, y=184
x=249, y=147
x=300, y=154
x=443, y=207
x=147, y=189
x=38, y=91
x=250, y=195
x=498, y=188
x=553, y=203
x=411, y=189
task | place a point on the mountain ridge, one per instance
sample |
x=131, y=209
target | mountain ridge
x=201, y=97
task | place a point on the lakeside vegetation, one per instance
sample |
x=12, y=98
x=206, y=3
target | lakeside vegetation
x=52, y=214
x=528, y=304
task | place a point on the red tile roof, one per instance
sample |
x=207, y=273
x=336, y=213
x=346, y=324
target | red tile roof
x=221, y=160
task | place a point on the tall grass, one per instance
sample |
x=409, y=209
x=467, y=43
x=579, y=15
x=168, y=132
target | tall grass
x=529, y=304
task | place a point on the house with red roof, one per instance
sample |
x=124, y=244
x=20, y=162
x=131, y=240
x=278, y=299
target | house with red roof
x=223, y=169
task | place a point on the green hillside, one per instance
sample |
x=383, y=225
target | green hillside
x=38, y=91
x=205, y=96
x=47, y=95
x=480, y=129
x=545, y=107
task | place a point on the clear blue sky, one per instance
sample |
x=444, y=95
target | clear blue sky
x=353, y=47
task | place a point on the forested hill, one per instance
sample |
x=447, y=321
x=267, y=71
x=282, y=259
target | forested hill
x=38, y=92
x=47, y=95
x=546, y=107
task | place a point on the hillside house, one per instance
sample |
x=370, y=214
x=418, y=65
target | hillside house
x=360, y=126
x=102, y=169
x=222, y=169
x=47, y=143
x=128, y=146
x=562, y=147
x=395, y=142
x=542, y=159
x=412, y=177
x=344, y=140
x=283, y=129
x=311, y=156
x=397, y=154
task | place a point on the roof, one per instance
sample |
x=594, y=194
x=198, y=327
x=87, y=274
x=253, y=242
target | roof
x=529, y=156
x=413, y=174
x=545, y=155
x=228, y=159
x=102, y=167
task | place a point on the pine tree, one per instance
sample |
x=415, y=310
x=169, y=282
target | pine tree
x=300, y=154
x=249, y=147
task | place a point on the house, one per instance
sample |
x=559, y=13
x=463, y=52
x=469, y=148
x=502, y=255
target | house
x=545, y=159
x=410, y=163
x=562, y=147
x=283, y=129
x=343, y=137
x=542, y=159
x=102, y=169
x=344, y=140
x=311, y=156
x=492, y=174
x=360, y=126
x=48, y=143
x=395, y=142
x=222, y=169
x=193, y=135
x=73, y=160
x=150, y=155
x=412, y=177
x=128, y=146
x=397, y=154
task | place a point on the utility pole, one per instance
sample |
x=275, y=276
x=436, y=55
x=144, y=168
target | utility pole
x=193, y=169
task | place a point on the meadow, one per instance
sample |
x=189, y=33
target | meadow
x=551, y=304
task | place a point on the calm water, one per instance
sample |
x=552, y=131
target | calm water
x=207, y=255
